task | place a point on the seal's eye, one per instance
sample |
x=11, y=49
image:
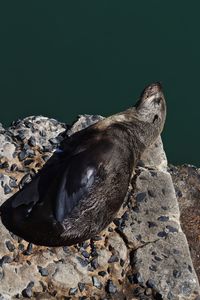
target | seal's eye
x=155, y=118
x=158, y=100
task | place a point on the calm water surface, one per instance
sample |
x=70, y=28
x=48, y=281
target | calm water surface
x=61, y=59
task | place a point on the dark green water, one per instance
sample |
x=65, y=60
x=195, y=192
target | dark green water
x=64, y=58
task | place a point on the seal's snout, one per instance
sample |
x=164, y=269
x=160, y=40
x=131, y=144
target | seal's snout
x=151, y=90
x=156, y=85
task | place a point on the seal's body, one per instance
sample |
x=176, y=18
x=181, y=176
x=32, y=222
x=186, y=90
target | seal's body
x=79, y=191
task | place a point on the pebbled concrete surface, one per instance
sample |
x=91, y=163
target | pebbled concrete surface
x=143, y=254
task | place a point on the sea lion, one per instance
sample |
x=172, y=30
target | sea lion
x=80, y=189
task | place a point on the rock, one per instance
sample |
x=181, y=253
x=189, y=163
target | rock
x=186, y=179
x=152, y=218
x=143, y=254
x=171, y=273
x=37, y=130
x=82, y=122
x=70, y=271
x=155, y=156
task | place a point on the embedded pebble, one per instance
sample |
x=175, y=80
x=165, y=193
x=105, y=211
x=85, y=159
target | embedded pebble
x=163, y=218
x=5, y=260
x=13, y=183
x=140, y=197
x=26, y=179
x=157, y=258
x=10, y=246
x=171, y=229
x=150, y=283
x=94, y=263
x=96, y=282
x=22, y=155
x=32, y=141
x=73, y=291
x=162, y=234
x=27, y=292
x=110, y=287
x=27, y=162
x=83, y=262
x=81, y=286
x=7, y=189
x=43, y=271
x=21, y=247
x=85, y=254
x=102, y=273
x=4, y=165
x=113, y=259
x=29, y=249
x=31, y=153
x=14, y=167
x=190, y=268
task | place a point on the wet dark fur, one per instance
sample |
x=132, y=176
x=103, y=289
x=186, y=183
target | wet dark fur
x=63, y=205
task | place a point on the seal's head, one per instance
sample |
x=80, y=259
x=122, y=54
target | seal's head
x=151, y=107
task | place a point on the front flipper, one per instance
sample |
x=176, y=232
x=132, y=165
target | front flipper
x=74, y=184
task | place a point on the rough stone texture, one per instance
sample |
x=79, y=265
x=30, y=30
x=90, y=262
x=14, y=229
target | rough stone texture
x=186, y=180
x=82, y=122
x=143, y=254
x=162, y=254
x=155, y=156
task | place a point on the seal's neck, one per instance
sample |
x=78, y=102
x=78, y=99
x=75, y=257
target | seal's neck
x=141, y=134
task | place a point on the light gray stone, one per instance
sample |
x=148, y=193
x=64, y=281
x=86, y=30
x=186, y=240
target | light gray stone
x=42, y=128
x=153, y=200
x=82, y=122
x=7, y=147
x=155, y=156
x=166, y=262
